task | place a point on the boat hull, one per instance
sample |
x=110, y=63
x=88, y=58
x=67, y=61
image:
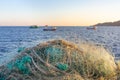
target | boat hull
x=49, y=29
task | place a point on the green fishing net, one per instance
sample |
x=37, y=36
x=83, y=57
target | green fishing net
x=20, y=49
x=54, y=53
x=55, y=56
x=51, y=61
x=62, y=66
x=2, y=76
x=20, y=64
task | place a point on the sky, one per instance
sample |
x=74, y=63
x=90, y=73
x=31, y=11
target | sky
x=58, y=12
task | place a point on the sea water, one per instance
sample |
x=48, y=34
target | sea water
x=11, y=38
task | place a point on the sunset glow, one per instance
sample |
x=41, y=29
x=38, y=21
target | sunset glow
x=58, y=12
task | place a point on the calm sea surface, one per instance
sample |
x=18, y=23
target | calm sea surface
x=11, y=38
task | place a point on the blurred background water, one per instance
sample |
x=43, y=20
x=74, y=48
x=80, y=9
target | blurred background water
x=11, y=38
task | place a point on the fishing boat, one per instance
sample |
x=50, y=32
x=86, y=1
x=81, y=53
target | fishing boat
x=34, y=26
x=93, y=28
x=49, y=28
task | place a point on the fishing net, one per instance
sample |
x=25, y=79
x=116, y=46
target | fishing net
x=60, y=60
x=20, y=49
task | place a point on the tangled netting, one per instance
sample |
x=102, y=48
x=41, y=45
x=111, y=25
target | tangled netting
x=59, y=60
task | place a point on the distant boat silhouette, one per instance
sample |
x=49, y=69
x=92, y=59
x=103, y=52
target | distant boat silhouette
x=93, y=28
x=49, y=28
x=34, y=26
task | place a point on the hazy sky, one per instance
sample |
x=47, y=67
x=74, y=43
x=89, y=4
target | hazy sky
x=58, y=12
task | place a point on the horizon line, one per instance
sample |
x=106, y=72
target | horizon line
x=41, y=25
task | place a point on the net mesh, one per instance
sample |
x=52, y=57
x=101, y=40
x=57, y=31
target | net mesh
x=60, y=60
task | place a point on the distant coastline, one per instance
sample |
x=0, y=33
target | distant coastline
x=116, y=23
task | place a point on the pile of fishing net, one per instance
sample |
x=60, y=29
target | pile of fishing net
x=60, y=60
